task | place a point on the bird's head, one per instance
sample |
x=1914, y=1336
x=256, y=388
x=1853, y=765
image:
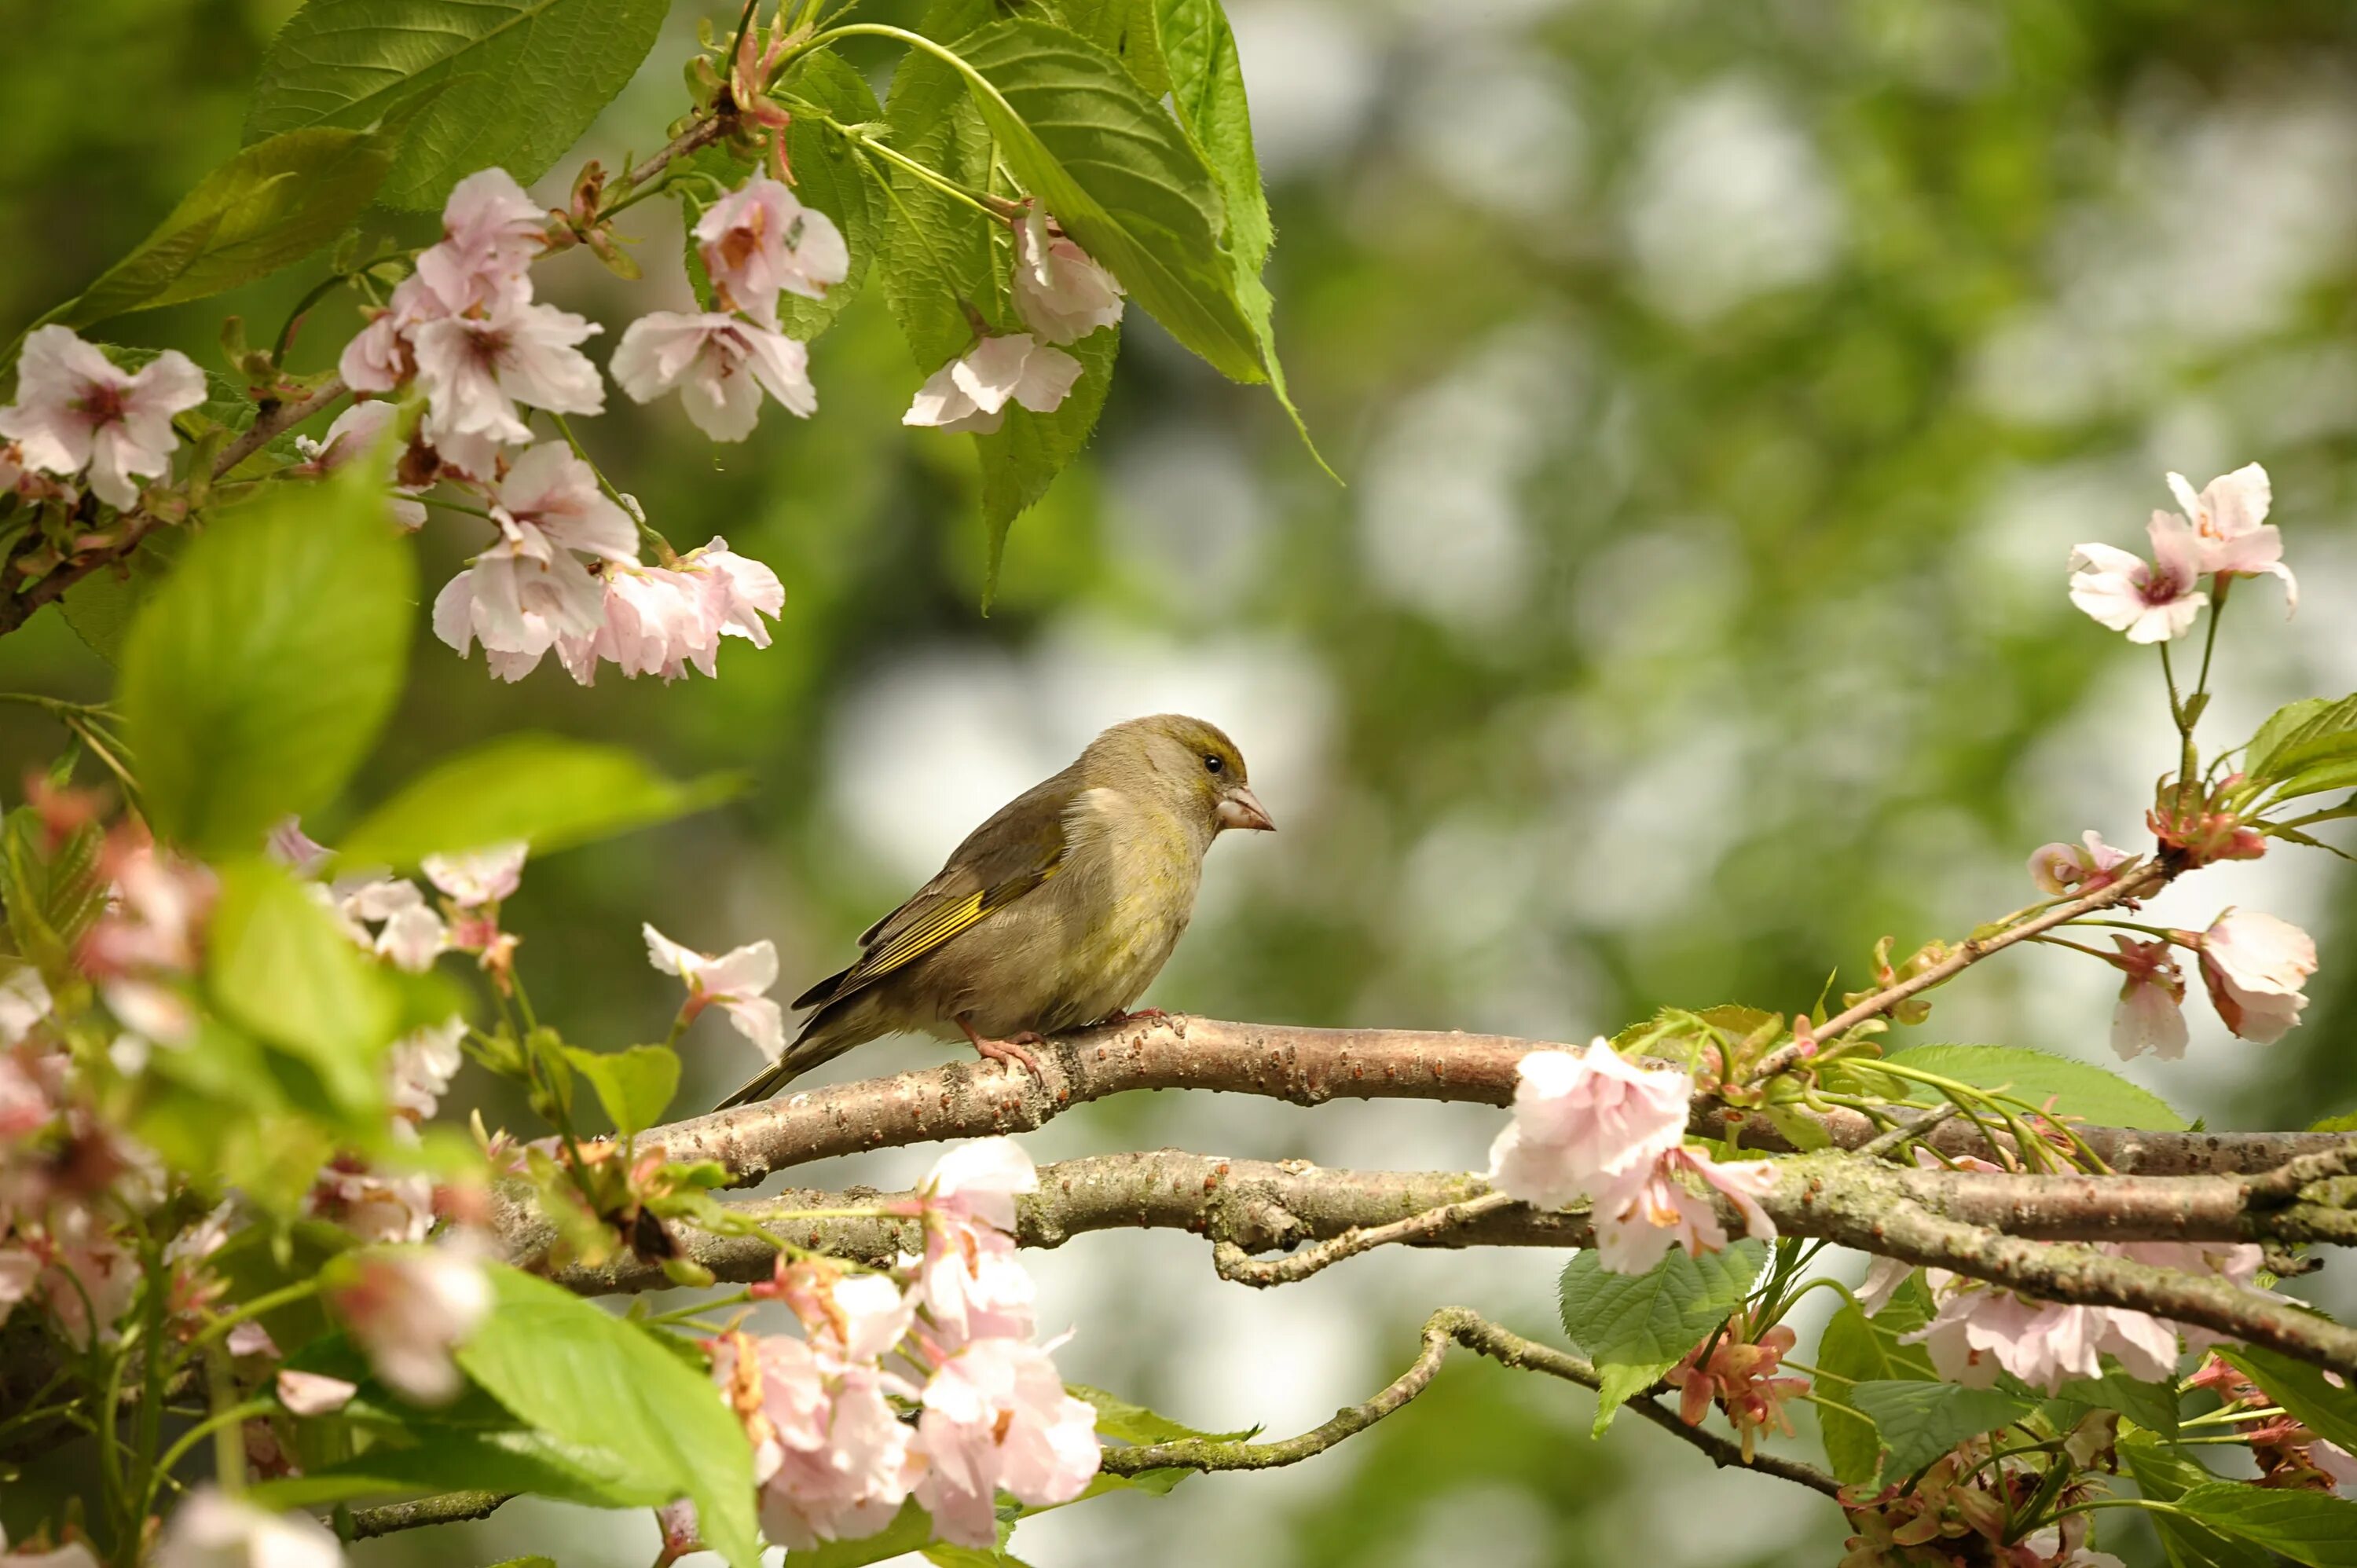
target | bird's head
x=1189, y=764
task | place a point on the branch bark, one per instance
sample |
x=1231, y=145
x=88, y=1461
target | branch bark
x=1305, y=1067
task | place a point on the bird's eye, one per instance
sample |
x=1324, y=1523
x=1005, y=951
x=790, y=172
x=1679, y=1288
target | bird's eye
x=1212, y=764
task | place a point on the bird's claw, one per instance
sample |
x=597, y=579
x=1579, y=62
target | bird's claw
x=1010, y=1050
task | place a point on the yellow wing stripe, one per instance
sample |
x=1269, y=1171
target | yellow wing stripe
x=938, y=927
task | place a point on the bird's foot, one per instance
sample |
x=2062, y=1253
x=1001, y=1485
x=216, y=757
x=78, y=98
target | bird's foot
x=1115, y=1020
x=1009, y=1050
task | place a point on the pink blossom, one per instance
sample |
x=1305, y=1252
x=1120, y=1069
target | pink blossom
x=2151, y=1011
x=314, y=1393
x=1636, y=1227
x=2063, y=868
x=2238, y=1262
x=421, y=1065
x=760, y=239
x=291, y=847
x=476, y=369
x=752, y=590
x=1883, y=1278
x=734, y=982
x=378, y=1207
x=478, y=876
x=212, y=1530
x=89, y=1279
x=410, y=933
x=2228, y=518
x=72, y=1554
x=971, y=393
x=719, y=365
x=408, y=1307
x=355, y=434
x=996, y=1418
x=831, y=1456
x=1062, y=294
x=657, y=621
x=23, y=1003
x=1587, y=1123
x=2254, y=966
x=531, y=587
x=76, y=409
x=150, y=933
x=1980, y=1330
x=492, y=230
x=2152, y=601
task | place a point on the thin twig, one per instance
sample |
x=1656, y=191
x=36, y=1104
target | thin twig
x=447, y=1508
x=1235, y=1263
x=1877, y=1148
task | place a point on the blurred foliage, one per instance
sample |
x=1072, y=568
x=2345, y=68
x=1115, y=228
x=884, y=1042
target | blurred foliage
x=1718, y=387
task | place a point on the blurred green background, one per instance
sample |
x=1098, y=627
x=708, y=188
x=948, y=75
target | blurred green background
x=1720, y=388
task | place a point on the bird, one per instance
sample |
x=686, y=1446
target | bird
x=1056, y=912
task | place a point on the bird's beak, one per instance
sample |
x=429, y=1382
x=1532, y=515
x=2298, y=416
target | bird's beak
x=1240, y=808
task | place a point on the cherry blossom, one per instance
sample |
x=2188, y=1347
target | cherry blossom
x=719, y=365
x=851, y=1316
x=474, y=369
x=213, y=1529
x=408, y=1307
x=148, y=936
x=2086, y=867
x=1980, y=1330
x=996, y=1418
x=76, y=409
x=298, y=850
x=492, y=230
x=1062, y=294
x=421, y=1064
x=2229, y=526
x=733, y=982
x=971, y=394
x=1587, y=1123
x=2151, y=1011
x=760, y=239
x=376, y=1205
x=531, y=587
x=409, y=930
x=23, y=1003
x=831, y=1456
x=354, y=435
x=478, y=876
x=314, y=1393
x=2254, y=966
x=2153, y=601
x=1636, y=1227
x=971, y=1282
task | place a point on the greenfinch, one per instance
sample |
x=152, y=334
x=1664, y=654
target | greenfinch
x=1058, y=911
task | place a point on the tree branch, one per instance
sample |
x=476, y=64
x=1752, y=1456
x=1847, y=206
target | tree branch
x=1477, y=1334
x=449, y=1508
x=1305, y=1067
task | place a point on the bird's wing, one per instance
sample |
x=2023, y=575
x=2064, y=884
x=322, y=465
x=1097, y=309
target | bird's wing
x=1012, y=854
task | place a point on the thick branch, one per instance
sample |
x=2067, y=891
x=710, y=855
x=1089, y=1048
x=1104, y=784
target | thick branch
x=1304, y=1065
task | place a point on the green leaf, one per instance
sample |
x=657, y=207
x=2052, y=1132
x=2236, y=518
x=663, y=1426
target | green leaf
x=268, y=207
x=634, y=1086
x=2152, y=1406
x=1658, y=1316
x=1022, y=457
x=543, y=788
x=2330, y=1413
x=2305, y=747
x=910, y=1531
x=506, y=83
x=1129, y=30
x=829, y=176
x=1855, y=1348
x=1126, y=181
x=593, y=1381
x=1622, y=1381
x=1126, y=1423
x=258, y=676
x=446, y=1459
x=1918, y=1422
x=2164, y=1474
x=276, y=964
x=942, y=1554
x=101, y=607
x=2310, y=1527
x=52, y=895
x=2077, y=1088
x=2344, y=1122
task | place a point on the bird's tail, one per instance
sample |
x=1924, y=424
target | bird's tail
x=825, y=1035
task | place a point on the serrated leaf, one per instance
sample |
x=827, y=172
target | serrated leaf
x=2310, y=1528
x=2101, y=1098
x=1022, y=457
x=2330, y=1413
x=277, y=964
x=270, y=205
x=544, y=789
x=1660, y=1315
x=52, y=895
x=2165, y=1475
x=1122, y=1422
x=511, y=83
x=1620, y=1382
x=2150, y=1405
x=1129, y=30
x=634, y=1086
x=1855, y=1348
x=830, y=176
x=566, y=1368
x=1918, y=1422
x=257, y=677
x=2314, y=737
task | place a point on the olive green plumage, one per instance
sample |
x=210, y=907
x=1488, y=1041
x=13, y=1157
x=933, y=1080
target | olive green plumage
x=1056, y=912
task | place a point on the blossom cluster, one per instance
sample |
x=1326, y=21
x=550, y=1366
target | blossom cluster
x=2222, y=533
x=1591, y=1125
x=1062, y=295
x=949, y=1336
